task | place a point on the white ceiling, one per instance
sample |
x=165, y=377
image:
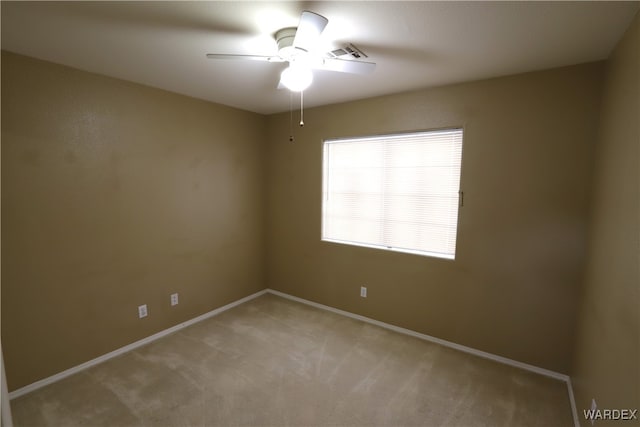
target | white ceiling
x=415, y=44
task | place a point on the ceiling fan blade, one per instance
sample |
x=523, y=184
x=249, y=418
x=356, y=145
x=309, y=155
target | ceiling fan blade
x=346, y=66
x=309, y=29
x=245, y=57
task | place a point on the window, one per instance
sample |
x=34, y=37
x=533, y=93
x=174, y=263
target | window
x=396, y=192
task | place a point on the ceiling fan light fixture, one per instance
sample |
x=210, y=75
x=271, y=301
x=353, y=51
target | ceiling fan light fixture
x=296, y=78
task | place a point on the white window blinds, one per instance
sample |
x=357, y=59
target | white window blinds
x=397, y=192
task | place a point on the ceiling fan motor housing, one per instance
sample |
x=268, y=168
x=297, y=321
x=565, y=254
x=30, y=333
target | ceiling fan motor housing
x=284, y=39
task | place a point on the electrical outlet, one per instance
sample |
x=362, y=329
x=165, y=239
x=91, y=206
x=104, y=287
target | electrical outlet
x=174, y=299
x=142, y=311
x=363, y=291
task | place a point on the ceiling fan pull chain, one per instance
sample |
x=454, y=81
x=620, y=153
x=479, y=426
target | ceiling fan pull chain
x=291, y=116
x=301, y=108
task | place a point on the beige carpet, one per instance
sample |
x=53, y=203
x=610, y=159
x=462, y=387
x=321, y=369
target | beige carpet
x=276, y=362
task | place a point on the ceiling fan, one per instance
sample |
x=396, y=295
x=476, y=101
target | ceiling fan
x=297, y=46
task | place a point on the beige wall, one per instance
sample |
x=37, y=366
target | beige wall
x=526, y=170
x=607, y=355
x=116, y=195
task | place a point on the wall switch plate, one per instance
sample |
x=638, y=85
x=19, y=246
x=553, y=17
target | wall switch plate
x=363, y=291
x=142, y=311
x=174, y=299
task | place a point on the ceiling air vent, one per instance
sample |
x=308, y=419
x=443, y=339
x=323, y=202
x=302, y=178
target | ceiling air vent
x=348, y=52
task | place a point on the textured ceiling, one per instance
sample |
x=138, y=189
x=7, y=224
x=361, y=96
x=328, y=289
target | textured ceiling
x=415, y=44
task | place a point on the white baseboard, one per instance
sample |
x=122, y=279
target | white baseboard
x=572, y=401
x=473, y=351
x=57, y=377
x=541, y=371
